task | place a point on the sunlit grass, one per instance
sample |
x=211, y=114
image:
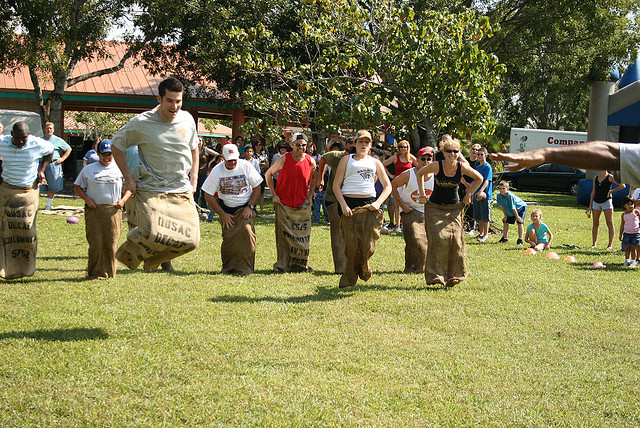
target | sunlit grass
x=525, y=340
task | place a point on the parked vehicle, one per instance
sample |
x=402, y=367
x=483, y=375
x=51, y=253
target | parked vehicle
x=9, y=117
x=547, y=177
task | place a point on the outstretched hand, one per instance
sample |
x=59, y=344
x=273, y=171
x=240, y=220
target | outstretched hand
x=521, y=160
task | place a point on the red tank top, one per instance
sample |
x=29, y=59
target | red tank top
x=402, y=166
x=293, y=180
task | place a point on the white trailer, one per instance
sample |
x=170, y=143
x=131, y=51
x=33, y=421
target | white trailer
x=9, y=117
x=523, y=140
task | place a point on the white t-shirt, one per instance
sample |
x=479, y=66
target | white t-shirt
x=411, y=194
x=103, y=184
x=234, y=186
x=164, y=149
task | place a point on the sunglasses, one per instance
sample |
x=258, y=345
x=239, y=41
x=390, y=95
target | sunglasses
x=452, y=151
x=403, y=147
x=425, y=158
x=300, y=144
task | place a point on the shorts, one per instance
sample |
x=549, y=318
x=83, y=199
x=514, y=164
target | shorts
x=545, y=244
x=606, y=205
x=53, y=174
x=521, y=212
x=631, y=239
x=481, y=210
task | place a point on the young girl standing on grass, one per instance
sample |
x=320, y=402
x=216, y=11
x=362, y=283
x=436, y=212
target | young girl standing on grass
x=630, y=225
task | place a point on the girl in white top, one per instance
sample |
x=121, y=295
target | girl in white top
x=354, y=184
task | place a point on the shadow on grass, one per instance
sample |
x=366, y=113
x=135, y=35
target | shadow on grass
x=323, y=294
x=58, y=335
x=61, y=257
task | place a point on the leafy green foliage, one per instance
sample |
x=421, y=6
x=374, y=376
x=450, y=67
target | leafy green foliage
x=100, y=125
x=362, y=66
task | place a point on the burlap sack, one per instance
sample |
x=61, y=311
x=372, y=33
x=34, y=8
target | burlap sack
x=293, y=232
x=337, y=243
x=130, y=209
x=360, y=233
x=18, y=231
x=415, y=241
x=102, y=229
x=238, y=250
x=168, y=227
x=446, y=251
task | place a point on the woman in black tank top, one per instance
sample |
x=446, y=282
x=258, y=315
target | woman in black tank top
x=445, y=261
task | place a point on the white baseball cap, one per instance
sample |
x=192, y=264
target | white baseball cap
x=230, y=152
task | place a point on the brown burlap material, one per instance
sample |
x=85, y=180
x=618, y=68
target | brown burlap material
x=446, y=251
x=360, y=233
x=415, y=241
x=293, y=232
x=102, y=229
x=238, y=250
x=337, y=243
x=130, y=209
x=168, y=227
x=18, y=231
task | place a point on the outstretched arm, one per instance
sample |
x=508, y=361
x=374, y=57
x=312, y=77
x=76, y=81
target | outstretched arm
x=594, y=155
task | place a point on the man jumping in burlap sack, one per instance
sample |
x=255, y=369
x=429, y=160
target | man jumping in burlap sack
x=237, y=183
x=166, y=215
x=404, y=189
x=292, y=202
x=25, y=158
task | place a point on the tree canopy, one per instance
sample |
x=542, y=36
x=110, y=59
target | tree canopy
x=50, y=38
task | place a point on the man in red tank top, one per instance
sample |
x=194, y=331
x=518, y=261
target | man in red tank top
x=292, y=203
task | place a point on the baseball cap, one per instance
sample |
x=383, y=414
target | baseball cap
x=425, y=150
x=230, y=152
x=363, y=133
x=299, y=136
x=104, y=146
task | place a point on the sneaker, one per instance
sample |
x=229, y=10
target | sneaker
x=503, y=240
x=633, y=264
x=398, y=229
x=483, y=238
x=391, y=226
x=471, y=232
x=519, y=242
x=626, y=263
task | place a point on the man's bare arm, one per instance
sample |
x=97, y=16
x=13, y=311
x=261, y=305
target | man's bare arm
x=594, y=155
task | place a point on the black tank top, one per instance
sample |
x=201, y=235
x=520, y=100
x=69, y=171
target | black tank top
x=602, y=190
x=445, y=189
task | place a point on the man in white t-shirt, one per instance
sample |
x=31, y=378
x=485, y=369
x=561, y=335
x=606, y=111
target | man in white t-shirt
x=237, y=184
x=167, y=218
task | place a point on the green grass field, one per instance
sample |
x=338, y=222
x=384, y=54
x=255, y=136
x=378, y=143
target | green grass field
x=524, y=341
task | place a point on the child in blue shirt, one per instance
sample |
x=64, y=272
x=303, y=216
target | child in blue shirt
x=538, y=234
x=514, y=210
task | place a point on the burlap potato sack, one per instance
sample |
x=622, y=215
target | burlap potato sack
x=445, y=263
x=293, y=232
x=103, y=225
x=238, y=249
x=168, y=227
x=360, y=233
x=18, y=231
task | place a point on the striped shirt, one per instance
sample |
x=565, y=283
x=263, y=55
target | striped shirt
x=20, y=165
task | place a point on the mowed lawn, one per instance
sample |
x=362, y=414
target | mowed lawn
x=524, y=341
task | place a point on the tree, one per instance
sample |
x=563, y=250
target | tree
x=101, y=125
x=552, y=51
x=372, y=65
x=51, y=37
